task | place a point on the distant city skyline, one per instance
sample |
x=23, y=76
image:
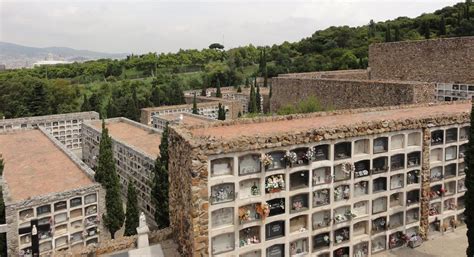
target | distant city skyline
x=164, y=26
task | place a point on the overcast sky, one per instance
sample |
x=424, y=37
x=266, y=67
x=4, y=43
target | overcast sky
x=140, y=26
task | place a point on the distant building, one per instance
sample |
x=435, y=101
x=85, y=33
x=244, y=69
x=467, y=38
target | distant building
x=48, y=187
x=3, y=67
x=160, y=121
x=64, y=127
x=49, y=62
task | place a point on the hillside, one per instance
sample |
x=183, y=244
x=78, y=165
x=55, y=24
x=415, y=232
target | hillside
x=16, y=56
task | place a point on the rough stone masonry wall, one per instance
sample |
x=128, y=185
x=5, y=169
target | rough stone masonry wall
x=449, y=60
x=346, y=94
x=188, y=196
x=194, y=239
x=425, y=184
x=337, y=74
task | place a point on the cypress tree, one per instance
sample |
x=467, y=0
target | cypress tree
x=425, y=29
x=155, y=96
x=218, y=90
x=2, y=164
x=195, y=109
x=469, y=195
x=114, y=217
x=132, y=214
x=112, y=110
x=161, y=184
x=397, y=33
x=106, y=158
x=85, y=107
x=39, y=100
x=252, y=107
x=270, y=93
x=442, y=27
x=107, y=176
x=258, y=100
x=247, y=82
x=221, y=112
x=3, y=236
x=388, y=36
x=239, y=89
x=204, y=86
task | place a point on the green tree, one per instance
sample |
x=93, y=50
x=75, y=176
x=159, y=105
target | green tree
x=3, y=238
x=160, y=185
x=218, y=88
x=216, y=46
x=252, y=106
x=155, y=98
x=371, y=29
x=258, y=100
x=112, y=110
x=39, y=100
x=442, y=26
x=221, y=112
x=239, y=89
x=425, y=29
x=132, y=213
x=397, y=34
x=107, y=176
x=271, y=91
x=195, y=108
x=106, y=158
x=114, y=216
x=388, y=36
x=469, y=195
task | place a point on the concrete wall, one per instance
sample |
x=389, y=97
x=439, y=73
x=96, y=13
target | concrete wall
x=344, y=94
x=449, y=60
x=64, y=127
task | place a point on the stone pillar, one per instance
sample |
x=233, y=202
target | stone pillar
x=425, y=184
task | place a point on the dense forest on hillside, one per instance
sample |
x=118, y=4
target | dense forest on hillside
x=122, y=87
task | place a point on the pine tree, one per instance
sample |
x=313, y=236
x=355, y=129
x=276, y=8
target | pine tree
x=258, y=100
x=85, y=107
x=220, y=112
x=195, y=109
x=132, y=214
x=161, y=184
x=388, y=36
x=469, y=195
x=106, y=158
x=218, y=88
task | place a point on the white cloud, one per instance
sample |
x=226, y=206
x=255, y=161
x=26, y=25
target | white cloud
x=144, y=25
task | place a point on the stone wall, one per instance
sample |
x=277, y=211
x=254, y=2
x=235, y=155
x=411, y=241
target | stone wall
x=188, y=196
x=449, y=60
x=118, y=244
x=337, y=74
x=344, y=94
x=189, y=211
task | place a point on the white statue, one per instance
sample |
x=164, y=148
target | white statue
x=34, y=231
x=142, y=222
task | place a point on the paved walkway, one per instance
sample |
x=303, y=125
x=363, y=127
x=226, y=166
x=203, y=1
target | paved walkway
x=452, y=244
